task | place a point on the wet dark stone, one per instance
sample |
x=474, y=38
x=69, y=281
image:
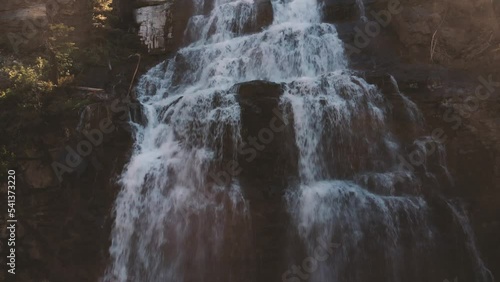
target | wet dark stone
x=264, y=15
x=182, y=11
x=273, y=159
x=181, y=67
x=266, y=168
x=259, y=89
x=340, y=10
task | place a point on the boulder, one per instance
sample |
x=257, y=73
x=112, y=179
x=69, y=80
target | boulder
x=275, y=158
x=182, y=11
x=264, y=15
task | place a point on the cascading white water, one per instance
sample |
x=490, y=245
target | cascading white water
x=172, y=219
x=166, y=196
x=349, y=175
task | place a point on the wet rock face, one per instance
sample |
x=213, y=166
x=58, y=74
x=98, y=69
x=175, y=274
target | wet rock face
x=447, y=32
x=162, y=24
x=267, y=142
x=472, y=144
x=249, y=17
x=335, y=11
x=403, y=49
x=264, y=15
x=264, y=170
x=153, y=30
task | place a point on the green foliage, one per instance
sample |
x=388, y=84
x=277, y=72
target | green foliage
x=63, y=48
x=26, y=81
x=101, y=11
x=28, y=78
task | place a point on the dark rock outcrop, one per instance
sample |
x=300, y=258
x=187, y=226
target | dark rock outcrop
x=470, y=133
x=182, y=11
x=265, y=170
x=260, y=117
x=264, y=15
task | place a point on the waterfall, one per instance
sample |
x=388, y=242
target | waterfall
x=173, y=222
